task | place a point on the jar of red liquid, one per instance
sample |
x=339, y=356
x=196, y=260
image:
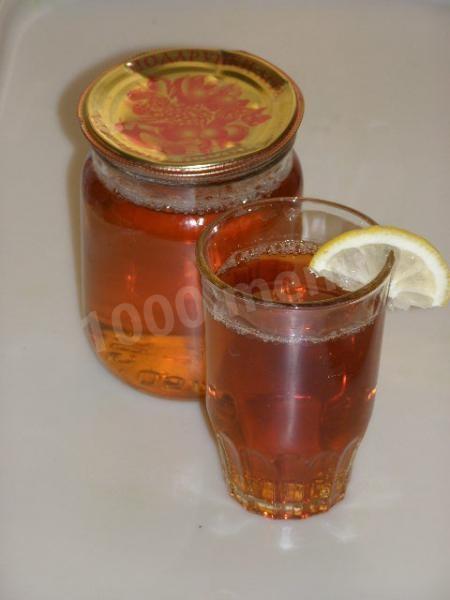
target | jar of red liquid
x=177, y=136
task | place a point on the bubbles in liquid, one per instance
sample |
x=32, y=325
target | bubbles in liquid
x=278, y=248
x=188, y=199
x=243, y=322
x=241, y=328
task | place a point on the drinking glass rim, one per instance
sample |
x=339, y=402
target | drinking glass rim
x=348, y=297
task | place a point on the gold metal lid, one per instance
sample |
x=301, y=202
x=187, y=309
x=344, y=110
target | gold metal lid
x=192, y=113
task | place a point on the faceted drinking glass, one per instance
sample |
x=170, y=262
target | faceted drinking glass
x=291, y=359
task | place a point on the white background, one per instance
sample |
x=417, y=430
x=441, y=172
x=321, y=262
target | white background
x=108, y=494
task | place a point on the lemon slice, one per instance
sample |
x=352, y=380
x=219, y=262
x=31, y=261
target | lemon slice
x=420, y=275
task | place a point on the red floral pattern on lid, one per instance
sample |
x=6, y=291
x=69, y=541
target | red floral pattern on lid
x=188, y=115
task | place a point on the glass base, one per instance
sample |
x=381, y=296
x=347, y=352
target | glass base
x=286, y=486
x=167, y=366
x=282, y=510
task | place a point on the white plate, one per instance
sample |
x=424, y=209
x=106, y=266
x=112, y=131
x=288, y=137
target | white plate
x=109, y=494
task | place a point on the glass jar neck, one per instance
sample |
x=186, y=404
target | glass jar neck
x=192, y=199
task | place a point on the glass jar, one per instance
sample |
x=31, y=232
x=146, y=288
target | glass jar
x=177, y=137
